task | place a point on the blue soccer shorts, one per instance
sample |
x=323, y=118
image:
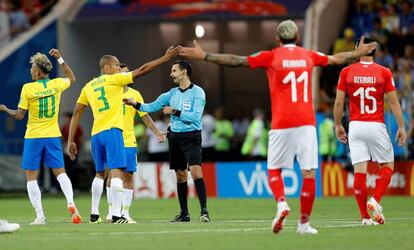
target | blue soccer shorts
x=108, y=150
x=48, y=149
x=131, y=159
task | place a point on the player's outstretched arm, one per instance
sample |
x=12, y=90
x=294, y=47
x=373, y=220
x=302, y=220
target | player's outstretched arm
x=338, y=113
x=349, y=56
x=149, y=123
x=149, y=66
x=197, y=53
x=17, y=114
x=394, y=103
x=65, y=67
x=74, y=123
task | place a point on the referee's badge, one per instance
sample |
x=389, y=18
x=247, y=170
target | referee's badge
x=186, y=106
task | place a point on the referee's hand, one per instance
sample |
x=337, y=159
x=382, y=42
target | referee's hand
x=129, y=101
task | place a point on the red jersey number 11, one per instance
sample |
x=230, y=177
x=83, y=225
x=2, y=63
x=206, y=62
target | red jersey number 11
x=291, y=77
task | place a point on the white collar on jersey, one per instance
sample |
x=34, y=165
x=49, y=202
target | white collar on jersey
x=289, y=45
x=362, y=62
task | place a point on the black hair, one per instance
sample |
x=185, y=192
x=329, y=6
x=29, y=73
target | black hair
x=123, y=65
x=183, y=64
x=368, y=39
x=288, y=41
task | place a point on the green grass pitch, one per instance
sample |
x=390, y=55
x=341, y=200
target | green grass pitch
x=236, y=224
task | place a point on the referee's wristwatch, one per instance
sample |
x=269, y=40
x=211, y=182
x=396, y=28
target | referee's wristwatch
x=176, y=112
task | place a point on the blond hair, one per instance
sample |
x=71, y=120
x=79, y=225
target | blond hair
x=41, y=61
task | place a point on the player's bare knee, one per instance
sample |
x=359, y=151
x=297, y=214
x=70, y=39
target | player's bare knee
x=308, y=174
x=387, y=165
x=58, y=171
x=31, y=175
x=181, y=176
x=101, y=175
x=128, y=180
x=196, y=172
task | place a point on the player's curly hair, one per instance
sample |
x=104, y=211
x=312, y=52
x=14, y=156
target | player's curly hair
x=42, y=61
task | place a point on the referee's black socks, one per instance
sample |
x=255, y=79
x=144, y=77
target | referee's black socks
x=201, y=192
x=182, y=190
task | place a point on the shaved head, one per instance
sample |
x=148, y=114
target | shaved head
x=106, y=60
x=109, y=65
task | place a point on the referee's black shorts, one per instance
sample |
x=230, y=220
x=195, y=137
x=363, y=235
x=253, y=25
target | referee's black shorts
x=185, y=149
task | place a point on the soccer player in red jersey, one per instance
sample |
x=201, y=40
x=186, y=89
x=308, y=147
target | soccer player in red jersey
x=293, y=133
x=366, y=83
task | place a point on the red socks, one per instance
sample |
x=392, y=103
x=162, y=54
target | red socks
x=382, y=182
x=360, y=192
x=276, y=184
x=307, y=198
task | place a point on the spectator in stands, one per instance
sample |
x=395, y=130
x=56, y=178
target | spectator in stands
x=71, y=167
x=406, y=17
x=327, y=138
x=406, y=81
x=223, y=133
x=18, y=19
x=383, y=58
x=391, y=20
x=207, y=140
x=255, y=143
x=346, y=43
x=378, y=32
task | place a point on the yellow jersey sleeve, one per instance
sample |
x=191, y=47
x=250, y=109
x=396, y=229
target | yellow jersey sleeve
x=24, y=101
x=122, y=79
x=83, y=99
x=63, y=83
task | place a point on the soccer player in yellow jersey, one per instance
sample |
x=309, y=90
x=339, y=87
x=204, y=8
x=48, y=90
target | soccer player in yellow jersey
x=130, y=143
x=41, y=99
x=104, y=95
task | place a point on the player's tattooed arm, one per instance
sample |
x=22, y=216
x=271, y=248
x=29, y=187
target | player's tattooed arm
x=65, y=67
x=226, y=59
x=149, y=123
x=349, y=56
x=197, y=53
x=17, y=114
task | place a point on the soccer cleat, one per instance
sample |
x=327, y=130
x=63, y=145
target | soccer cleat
x=204, y=216
x=368, y=222
x=119, y=220
x=305, y=228
x=182, y=217
x=39, y=221
x=76, y=218
x=278, y=222
x=108, y=218
x=6, y=227
x=376, y=209
x=95, y=218
x=129, y=219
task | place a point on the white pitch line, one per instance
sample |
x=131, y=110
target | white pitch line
x=320, y=220
x=230, y=230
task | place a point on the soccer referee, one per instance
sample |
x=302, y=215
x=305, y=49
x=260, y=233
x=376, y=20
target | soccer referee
x=185, y=104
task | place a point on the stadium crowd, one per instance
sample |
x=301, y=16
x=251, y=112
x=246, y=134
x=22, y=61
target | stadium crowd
x=17, y=16
x=391, y=23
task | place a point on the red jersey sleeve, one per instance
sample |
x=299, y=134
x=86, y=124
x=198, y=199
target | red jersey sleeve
x=319, y=59
x=342, y=81
x=262, y=59
x=389, y=81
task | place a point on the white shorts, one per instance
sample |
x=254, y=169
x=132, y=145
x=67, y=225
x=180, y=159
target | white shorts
x=285, y=144
x=369, y=141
